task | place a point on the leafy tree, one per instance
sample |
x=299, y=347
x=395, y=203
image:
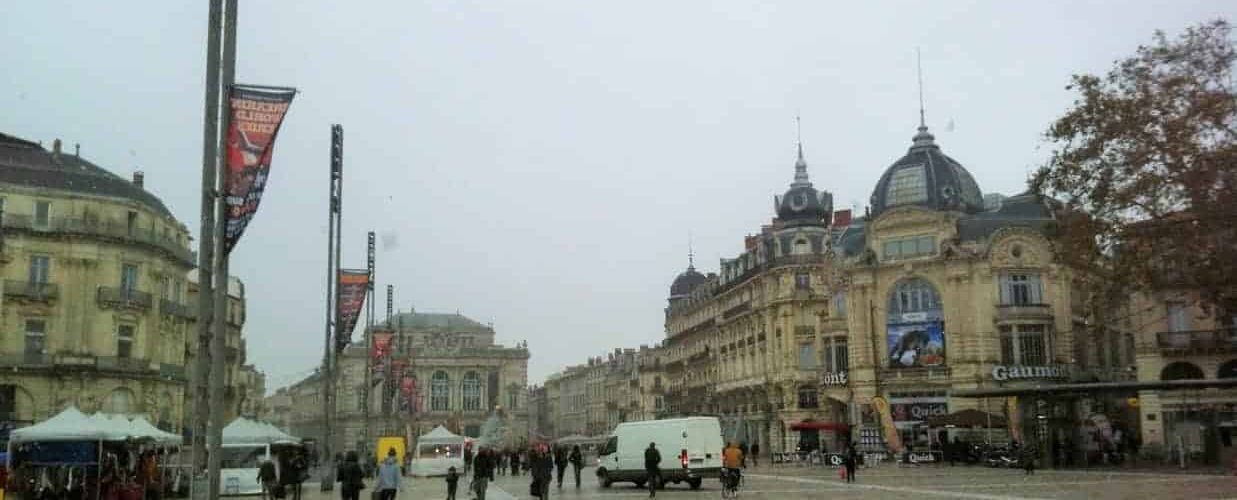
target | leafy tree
x=1144, y=164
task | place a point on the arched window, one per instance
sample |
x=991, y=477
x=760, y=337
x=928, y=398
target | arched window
x=120, y=401
x=1228, y=369
x=1181, y=370
x=472, y=391
x=440, y=392
x=913, y=295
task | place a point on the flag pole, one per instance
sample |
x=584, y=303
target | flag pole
x=369, y=330
x=332, y=306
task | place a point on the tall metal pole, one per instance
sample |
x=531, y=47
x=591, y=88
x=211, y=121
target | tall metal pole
x=369, y=336
x=390, y=303
x=206, y=238
x=332, y=317
x=219, y=326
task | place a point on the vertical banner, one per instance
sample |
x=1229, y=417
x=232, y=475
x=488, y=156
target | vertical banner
x=352, y=286
x=255, y=116
x=893, y=440
x=407, y=390
x=381, y=347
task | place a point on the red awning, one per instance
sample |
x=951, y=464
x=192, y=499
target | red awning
x=813, y=425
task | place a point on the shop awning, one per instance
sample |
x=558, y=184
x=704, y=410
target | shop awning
x=808, y=425
x=967, y=418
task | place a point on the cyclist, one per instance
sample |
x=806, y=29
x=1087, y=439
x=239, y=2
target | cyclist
x=732, y=463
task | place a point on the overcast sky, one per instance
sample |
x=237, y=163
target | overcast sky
x=541, y=164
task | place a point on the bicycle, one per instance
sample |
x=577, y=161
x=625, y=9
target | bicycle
x=731, y=480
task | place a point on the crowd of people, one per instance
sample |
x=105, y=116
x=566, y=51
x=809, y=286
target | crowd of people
x=540, y=462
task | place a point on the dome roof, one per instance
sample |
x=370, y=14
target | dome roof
x=802, y=203
x=927, y=178
x=686, y=282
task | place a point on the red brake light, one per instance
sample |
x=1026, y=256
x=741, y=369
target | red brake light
x=683, y=458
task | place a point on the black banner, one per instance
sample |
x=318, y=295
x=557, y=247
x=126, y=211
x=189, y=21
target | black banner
x=255, y=116
x=352, y=286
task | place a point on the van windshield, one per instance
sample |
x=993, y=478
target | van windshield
x=242, y=457
x=611, y=446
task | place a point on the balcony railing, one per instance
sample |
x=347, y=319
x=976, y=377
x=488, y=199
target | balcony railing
x=174, y=309
x=100, y=228
x=1223, y=339
x=30, y=290
x=124, y=298
x=1023, y=311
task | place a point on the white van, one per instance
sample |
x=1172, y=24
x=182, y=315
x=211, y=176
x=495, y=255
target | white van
x=691, y=450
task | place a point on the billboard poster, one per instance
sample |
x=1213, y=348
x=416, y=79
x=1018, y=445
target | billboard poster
x=381, y=345
x=915, y=344
x=353, y=284
x=255, y=114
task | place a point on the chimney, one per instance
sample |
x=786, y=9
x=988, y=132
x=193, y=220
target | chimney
x=139, y=179
x=56, y=147
x=77, y=149
x=841, y=218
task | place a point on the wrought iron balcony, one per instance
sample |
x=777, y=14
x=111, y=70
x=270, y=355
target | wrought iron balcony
x=1023, y=311
x=123, y=298
x=30, y=290
x=1223, y=339
x=174, y=309
x=99, y=228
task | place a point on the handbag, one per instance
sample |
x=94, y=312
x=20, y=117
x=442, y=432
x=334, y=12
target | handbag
x=534, y=488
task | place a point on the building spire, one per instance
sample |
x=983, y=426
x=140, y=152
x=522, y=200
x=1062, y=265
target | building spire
x=800, y=164
x=691, y=254
x=923, y=138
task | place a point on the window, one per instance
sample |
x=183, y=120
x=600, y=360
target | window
x=128, y=277
x=1178, y=318
x=1129, y=349
x=657, y=382
x=513, y=399
x=841, y=359
x=839, y=304
x=807, y=397
x=36, y=337
x=803, y=281
x=472, y=392
x=908, y=185
x=124, y=341
x=807, y=358
x=165, y=288
x=1024, y=345
x=132, y=222
x=42, y=215
x=40, y=268
x=440, y=391
x=1020, y=289
x=914, y=295
x=905, y=248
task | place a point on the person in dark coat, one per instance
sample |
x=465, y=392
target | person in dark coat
x=652, y=466
x=266, y=479
x=467, y=459
x=755, y=454
x=743, y=450
x=515, y=462
x=577, y=462
x=560, y=464
x=852, y=459
x=351, y=478
x=453, y=480
x=541, y=466
x=483, y=472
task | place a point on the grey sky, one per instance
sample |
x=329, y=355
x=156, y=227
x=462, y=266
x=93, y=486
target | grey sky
x=541, y=164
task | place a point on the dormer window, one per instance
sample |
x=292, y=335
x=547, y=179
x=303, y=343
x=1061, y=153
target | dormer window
x=908, y=185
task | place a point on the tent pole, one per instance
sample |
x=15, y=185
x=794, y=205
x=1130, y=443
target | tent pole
x=98, y=477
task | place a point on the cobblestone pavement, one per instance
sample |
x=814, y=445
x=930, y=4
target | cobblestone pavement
x=887, y=481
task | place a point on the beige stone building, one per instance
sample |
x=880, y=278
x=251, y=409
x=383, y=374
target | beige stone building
x=460, y=374
x=94, y=309
x=240, y=381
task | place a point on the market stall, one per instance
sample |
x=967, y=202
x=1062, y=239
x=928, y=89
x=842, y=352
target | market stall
x=436, y=451
x=246, y=445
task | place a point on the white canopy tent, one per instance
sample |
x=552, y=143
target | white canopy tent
x=68, y=425
x=438, y=450
x=245, y=431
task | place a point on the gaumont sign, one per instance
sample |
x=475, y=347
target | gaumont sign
x=1001, y=373
x=833, y=378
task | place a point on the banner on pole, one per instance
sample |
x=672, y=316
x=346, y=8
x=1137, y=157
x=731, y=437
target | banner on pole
x=352, y=286
x=407, y=393
x=255, y=114
x=381, y=347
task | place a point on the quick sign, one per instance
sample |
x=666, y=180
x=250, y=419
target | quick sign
x=833, y=378
x=1002, y=373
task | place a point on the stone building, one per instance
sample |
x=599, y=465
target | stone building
x=460, y=374
x=94, y=308
x=241, y=382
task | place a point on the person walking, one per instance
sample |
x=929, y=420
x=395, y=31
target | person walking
x=453, y=480
x=1027, y=457
x=732, y=465
x=851, y=460
x=652, y=467
x=467, y=459
x=743, y=450
x=267, y=478
x=300, y=472
x=351, y=478
x=515, y=462
x=560, y=464
x=541, y=466
x=577, y=462
x=388, y=477
x=755, y=454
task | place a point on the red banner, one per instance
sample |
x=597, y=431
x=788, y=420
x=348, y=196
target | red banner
x=397, y=368
x=353, y=284
x=408, y=394
x=255, y=114
x=381, y=346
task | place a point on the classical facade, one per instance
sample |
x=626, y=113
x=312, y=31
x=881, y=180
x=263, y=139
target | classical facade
x=459, y=375
x=94, y=309
x=241, y=383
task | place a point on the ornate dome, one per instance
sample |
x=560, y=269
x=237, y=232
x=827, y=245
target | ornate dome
x=802, y=203
x=927, y=178
x=686, y=282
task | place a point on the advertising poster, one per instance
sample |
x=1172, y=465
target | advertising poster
x=893, y=440
x=913, y=345
x=255, y=114
x=353, y=284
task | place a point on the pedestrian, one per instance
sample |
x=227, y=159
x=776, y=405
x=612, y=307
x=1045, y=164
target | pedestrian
x=755, y=454
x=743, y=450
x=453, y=480
x=503, y=457
x=652, y=468
x=483, y=471
x=467, y=459
x=577, y=462
x=852, y=458
x=542, y=468
x=267, y=479
x=299, y=472
x=560, y=463
x=388, y=477
x=351, y=478
x=1028, y=460
x=515, y=462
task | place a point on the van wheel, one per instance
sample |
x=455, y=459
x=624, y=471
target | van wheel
x=603, y=478
x=694, y=483
x=639, y=484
